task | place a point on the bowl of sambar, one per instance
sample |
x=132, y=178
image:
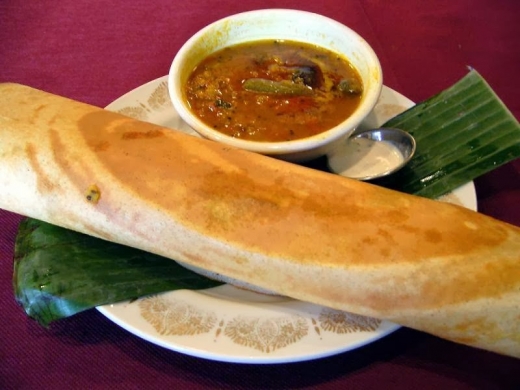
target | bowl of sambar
x=284, y=83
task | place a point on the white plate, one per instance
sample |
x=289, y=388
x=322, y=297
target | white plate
x=233, y=325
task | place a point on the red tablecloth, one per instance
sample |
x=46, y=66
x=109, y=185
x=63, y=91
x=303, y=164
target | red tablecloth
x=96, y=51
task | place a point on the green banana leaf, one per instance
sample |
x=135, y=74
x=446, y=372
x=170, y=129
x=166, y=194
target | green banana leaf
x=461, y=133
x=59, y=272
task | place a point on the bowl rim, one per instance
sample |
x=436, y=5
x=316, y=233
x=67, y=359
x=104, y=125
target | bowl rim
x=283, y=147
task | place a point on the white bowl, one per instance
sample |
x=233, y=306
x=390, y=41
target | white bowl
x=279, y=24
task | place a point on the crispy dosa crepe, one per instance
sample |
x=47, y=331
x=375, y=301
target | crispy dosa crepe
x=310, y=235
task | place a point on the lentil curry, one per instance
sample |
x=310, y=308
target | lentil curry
x=273, y=90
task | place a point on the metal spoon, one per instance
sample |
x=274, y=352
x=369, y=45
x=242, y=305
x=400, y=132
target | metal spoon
x=372, y=154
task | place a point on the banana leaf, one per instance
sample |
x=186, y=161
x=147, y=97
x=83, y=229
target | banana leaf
x=59, y=272
x=461, y=133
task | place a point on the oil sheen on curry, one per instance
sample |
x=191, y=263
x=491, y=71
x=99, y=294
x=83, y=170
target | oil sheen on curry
x=273, y=90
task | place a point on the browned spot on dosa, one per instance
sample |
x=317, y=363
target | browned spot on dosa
x=44, y=184
x=142, y=134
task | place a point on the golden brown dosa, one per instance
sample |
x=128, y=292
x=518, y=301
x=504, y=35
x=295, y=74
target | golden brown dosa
x=307, y=234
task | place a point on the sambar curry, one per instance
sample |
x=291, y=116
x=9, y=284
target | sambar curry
x=273, y=90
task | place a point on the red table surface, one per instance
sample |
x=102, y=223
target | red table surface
x=96, y=51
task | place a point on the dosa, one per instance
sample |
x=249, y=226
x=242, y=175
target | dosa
x=303, y=233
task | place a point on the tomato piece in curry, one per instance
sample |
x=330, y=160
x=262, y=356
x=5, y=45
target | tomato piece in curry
x=273, y=91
